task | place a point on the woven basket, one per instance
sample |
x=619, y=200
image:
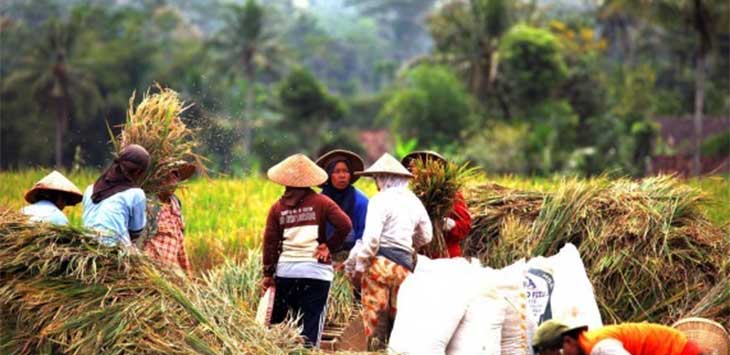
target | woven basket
x=709, y=335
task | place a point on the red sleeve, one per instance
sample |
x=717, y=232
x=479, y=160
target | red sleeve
x=460, y=215
x=272, y=241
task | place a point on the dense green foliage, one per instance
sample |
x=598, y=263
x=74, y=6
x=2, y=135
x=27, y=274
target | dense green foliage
x=562, y=88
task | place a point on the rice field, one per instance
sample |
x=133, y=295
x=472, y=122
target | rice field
x=225, y=216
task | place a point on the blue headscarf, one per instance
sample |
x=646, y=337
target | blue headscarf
x=343, y=198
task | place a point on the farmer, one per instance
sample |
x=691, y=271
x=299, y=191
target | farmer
x=554, y=338
x=115, y=205
x=166, y=243
x=49, y=196
x=341, y=166
x=395, y=223
x=296, y=252
x=458, y=224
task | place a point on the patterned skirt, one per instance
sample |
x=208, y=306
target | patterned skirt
x=380, y=286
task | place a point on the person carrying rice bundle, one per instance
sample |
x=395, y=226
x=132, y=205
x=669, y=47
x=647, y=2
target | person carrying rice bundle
x=341, y=167
x=114, y=205
x=166, y=244
x=396, y=222
x=554, y=337
x=49, y=197
x=296, y=251
x=458, y=223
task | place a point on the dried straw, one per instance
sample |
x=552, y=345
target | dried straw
x=156, y=125
x=648, y=249
x=65, y=292
x=436, y=184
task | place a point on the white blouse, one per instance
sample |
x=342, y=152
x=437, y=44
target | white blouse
x=397, y=219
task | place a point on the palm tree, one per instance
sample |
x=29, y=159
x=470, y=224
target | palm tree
x=51, y=75
x=249, y=47
x=467, y=38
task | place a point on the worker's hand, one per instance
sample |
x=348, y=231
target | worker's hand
x=323, y=254
x=449, y=224
x=267, y=282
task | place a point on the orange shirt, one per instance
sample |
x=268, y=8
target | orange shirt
x=638, y=338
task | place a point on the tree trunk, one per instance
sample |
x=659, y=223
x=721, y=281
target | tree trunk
x=699, y=103
x=249, y=110
x=61, y=117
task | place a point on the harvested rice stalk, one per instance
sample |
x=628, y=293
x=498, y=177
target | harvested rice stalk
x=648, y=249
x=156, y=125
x=436, y=184
x=71, y=294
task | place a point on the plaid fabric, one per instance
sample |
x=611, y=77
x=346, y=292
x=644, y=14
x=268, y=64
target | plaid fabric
x=380, y=285
x=167, y=245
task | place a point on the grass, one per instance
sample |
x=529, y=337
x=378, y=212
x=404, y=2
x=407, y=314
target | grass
x=226, y=216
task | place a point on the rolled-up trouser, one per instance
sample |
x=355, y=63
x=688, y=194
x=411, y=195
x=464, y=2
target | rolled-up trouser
x=306, y=298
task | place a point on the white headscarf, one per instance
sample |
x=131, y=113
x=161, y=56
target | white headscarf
x=389, y=181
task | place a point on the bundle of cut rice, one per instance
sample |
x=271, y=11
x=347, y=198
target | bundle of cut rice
x=156, y=125
x=62, y=291
x=436, y=184
x=650, y=252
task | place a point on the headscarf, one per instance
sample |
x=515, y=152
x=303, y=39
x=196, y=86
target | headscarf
x=116, y=178
x=344, y=198
x=390, y=181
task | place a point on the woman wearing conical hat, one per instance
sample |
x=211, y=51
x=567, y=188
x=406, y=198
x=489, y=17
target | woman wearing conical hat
x=115, y=205
x=396, y=222
x=296, y=255
x=49, y=197
x=458, y=223
x=341, y=166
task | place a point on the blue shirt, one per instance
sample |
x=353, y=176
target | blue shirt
x=45, y=211
x=357, y=217
x=116, y=216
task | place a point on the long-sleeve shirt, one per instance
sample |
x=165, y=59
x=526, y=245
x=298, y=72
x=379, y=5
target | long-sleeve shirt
x=396, y=219
x=634, y=339
x=116, y=216
x=295, y=227
x=460, y=215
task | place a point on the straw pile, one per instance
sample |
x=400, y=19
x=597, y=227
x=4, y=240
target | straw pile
x=650, y=252
x=156, y=125
x=67, y=293
x=436, y=183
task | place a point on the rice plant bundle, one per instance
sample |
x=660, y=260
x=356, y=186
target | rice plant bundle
x=648, y=249
x=64, y=292
x=156, y=125
x=436, y=184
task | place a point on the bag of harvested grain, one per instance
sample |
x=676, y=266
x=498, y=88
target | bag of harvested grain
x=431, y=303
x=266, y=306
x=539, y=284
x=518, y=326
x=480, y=330
x=573, y=297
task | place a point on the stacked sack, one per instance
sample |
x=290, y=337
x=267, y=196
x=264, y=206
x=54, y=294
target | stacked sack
x=454, y=307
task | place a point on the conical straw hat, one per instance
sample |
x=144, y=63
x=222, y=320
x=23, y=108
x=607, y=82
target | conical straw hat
x=297, y=171
x=421, y=155
x=711, y=337
x=387, y=164
x=354, y=160
x=55, y=181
